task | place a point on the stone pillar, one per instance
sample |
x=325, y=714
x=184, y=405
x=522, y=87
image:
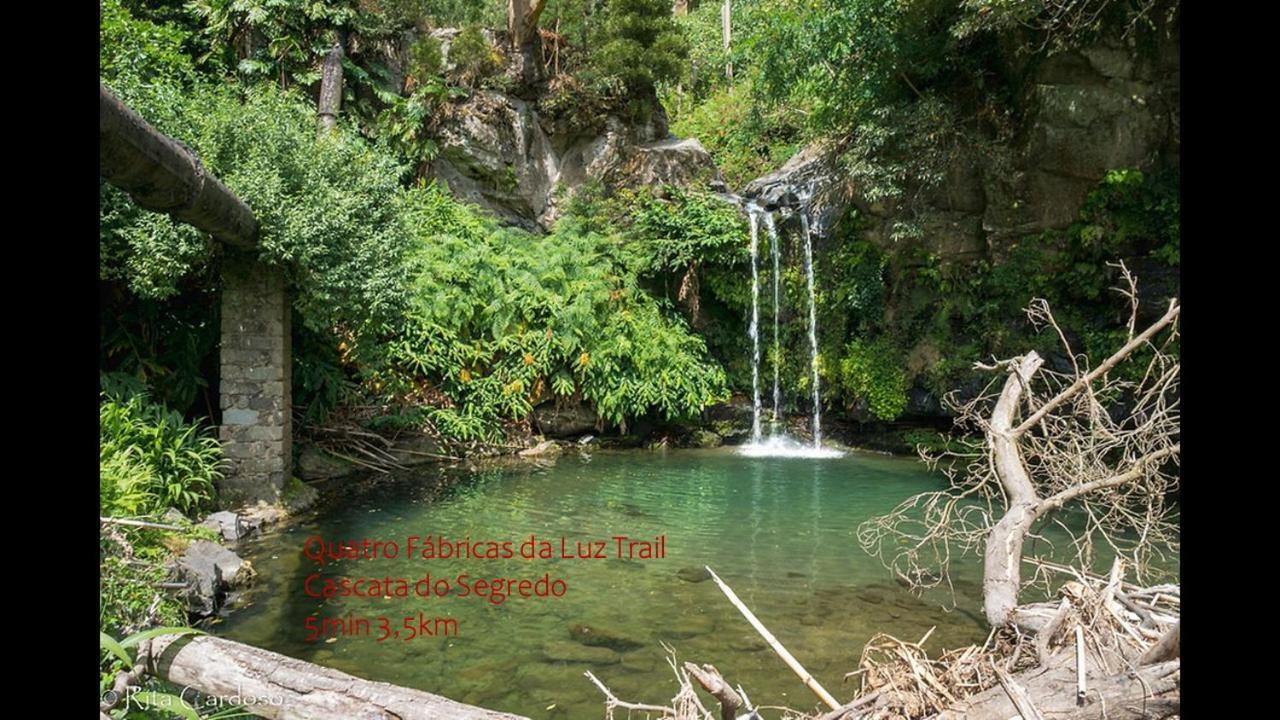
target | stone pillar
x=256, y=377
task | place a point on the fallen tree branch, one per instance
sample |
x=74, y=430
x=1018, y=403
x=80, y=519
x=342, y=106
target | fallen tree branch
x=804, y=675
x=1086, y=380
x=1149, y=692
x=711, y=681
x=139, y=523
x=1167, y=648
x=1018, y=696
x=613, y=701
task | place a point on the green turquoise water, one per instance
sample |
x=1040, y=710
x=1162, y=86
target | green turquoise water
x=780, y=532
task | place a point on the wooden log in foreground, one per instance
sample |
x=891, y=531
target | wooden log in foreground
x=277, y=687
x=163, y=175
x=1153, y=691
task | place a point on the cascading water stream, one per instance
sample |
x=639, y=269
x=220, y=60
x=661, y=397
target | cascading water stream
x=777, y=307
x=779, y=444
x=753, y=212
x=813, y=328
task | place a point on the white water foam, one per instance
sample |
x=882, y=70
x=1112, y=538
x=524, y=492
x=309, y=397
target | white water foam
x=785, y=447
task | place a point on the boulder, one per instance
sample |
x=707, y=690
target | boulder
x=232, y=526
x=174, y=516
x=730, y=420
x=316, y=464
x=562, y=421
x=810, y=179
x=209, y=571
x=672, y=161
x=705, y=439
x=543, y=449
x=415, y=449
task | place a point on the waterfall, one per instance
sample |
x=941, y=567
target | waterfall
x=753, y=212
x=813, y=328
x=777, y=306
x=778, y=444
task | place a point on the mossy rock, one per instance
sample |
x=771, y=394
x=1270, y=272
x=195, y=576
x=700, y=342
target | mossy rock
x=598, y=636
x=705, y=439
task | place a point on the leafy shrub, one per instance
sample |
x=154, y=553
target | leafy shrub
x=426, y=60
x=669, y=233
x=151, y=459
x=473, y=57
x=871, y=371
x=746, y=140
x=638, y=42
x=502, y=320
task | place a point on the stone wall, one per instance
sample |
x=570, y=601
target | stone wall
x=256, y=429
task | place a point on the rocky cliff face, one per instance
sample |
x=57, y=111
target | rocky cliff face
x=500, y=152
x=500, y=148
x=1085, y=113
x=504, y=151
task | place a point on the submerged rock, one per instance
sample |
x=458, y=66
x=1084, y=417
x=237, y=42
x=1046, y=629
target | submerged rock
x=690, y=626
x=693, y=574
x=748, y=643
x=640, y=662
x=566, y=651
x=871, y=596
x=598, y=636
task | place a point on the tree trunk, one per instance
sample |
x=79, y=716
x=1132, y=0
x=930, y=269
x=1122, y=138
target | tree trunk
x=331, y=83
x=525, y=43
x=277, y=687
x=163, y=175
x=1002, y=564
x=726, y=30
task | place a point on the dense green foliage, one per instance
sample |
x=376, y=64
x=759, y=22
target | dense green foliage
x=872, y=371
x=639, y=43
x=424, y=308
x=458, y=324
x=152, y=459
x=943, y=317
x=746, y=140
x=474, y=58
x=502, y=319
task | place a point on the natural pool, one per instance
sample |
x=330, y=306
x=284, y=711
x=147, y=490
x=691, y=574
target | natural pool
x=780, y=531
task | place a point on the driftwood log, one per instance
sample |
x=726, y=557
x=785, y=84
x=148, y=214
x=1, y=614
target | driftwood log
x=277, y=687
x=1152, y=691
